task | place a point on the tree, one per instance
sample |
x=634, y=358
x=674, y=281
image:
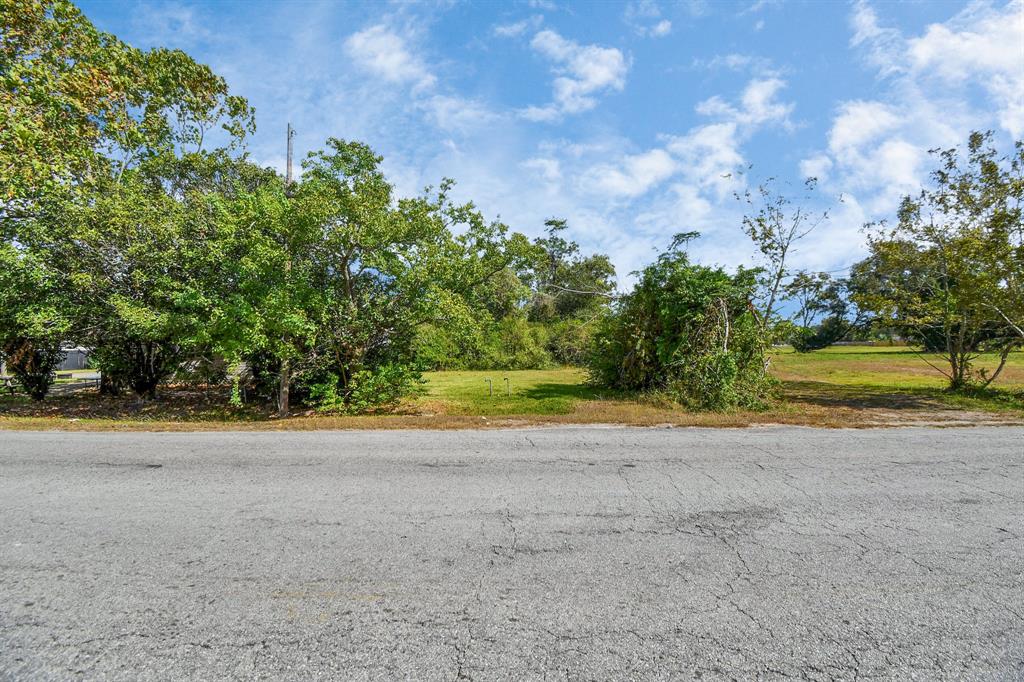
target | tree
x=34, y=317
x=775, y=223
x=77, y=103
x=59, y=80
x=366, y=272
x=565, y=283
x=825, y=312
x=99, y=139
x=949, y=273
x=687, y=331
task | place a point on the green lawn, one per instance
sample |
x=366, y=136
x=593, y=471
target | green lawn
x=896, y=367
x=545, y=392
x=858, y=376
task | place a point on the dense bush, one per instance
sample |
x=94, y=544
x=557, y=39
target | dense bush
x=687, y=332
x=32, y=364
x=569, y=341
x=518, y=344
x=367, y=391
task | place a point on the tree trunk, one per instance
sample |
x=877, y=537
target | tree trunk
x=283, y=390
x=1002, y=363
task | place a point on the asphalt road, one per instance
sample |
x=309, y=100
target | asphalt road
x=570, y=553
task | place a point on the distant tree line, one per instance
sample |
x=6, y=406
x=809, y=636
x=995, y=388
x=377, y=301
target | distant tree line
x=133, y=223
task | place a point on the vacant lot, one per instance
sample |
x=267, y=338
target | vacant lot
x=842, y=386
x=571, y=553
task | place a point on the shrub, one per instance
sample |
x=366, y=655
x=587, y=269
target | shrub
x=517, y=344
x=32, y=363
x=374, y=390
x=570, y=340
x=686, y=332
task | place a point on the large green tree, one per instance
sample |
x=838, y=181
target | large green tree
x=96, y=138
x=566, y=283
x=335, y=276
x=949, y=273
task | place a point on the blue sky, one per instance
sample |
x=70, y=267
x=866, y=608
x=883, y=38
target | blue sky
x=630, y=119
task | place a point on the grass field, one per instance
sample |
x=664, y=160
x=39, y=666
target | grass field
x=543, y=392
x=868, y=375
x=895, y=367
x=839, y=386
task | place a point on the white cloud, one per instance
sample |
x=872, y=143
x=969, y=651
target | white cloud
x=644, y=16
x=882, y=45
x=511, y=30
x=582, y=71
x=758, y=104
x=662, y=28
x=518, y=28
x=759, y=5
x=859, y=123
x=710, y=155
x=755, y=65
x=983, y=46
x=879, y=148
x=817, y=166
x=549, y=169
x=633, y=176
x=383, y=53
x=458, y=114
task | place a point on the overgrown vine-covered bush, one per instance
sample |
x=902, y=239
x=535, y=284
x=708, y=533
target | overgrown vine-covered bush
x=686, y=332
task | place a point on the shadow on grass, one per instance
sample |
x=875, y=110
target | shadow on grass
x=826, y=394
x=184, y=404
x=553, y=391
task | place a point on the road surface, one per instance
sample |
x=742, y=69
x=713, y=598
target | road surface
x=565, y=553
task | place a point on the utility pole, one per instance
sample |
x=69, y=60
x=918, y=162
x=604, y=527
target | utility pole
x=285, y=380
x=288, y=172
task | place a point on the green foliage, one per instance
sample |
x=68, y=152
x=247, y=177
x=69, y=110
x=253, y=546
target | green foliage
x=78, y=105
x=829, y=331
x=565, y=283
x=345, y=286
x=686, y=332
x=95, y=141
x=537, y=314
x=570, y=341
x=825, y=313
x=34, y=317
x=949, y=275
x=32, y=362
x=375, y=390
x=517, y=344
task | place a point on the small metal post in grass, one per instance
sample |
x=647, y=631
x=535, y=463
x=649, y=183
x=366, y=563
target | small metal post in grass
x=508, y=387
x=490, y=387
